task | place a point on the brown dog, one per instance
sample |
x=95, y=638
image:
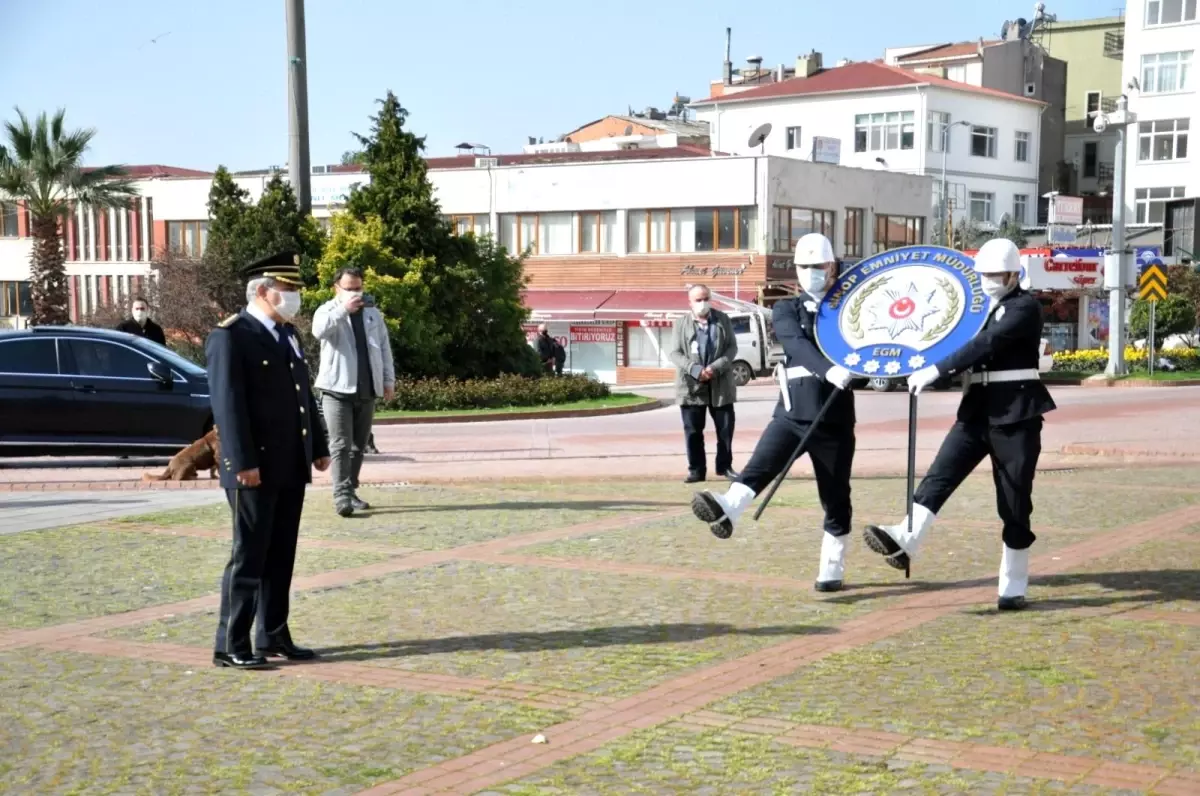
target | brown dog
x=203, y=454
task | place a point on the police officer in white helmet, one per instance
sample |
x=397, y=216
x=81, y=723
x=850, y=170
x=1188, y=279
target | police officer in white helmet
x=1000, y=417
x=806, y=380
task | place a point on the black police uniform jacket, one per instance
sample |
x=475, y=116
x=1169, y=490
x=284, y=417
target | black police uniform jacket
x=793, y=321
x=1011, y=339
x=263, y=406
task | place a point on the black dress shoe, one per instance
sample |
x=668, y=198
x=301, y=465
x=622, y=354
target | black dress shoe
x=828, y=585
x=285, y=648
x=707, y=509
x=1011, y=603
x=358, y=504
x=694, y=478
x=238, y=660
x=344, y=510
x=731, y=474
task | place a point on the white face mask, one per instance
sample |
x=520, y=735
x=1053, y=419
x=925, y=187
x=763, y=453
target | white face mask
x=141, y=316
x=812, y=281
x=289, y=304
x=995, y=287
x=700, y=308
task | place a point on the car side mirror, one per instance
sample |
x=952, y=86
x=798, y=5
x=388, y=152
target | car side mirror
x=161, y=373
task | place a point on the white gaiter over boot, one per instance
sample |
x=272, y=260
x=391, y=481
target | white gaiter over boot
x=735, y=501
x=833, y=562
x=1014, y=576
x=910, y=541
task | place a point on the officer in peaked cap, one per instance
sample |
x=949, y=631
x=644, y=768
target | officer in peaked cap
x=806, y=380
x=271, y=438
x=1000, y=417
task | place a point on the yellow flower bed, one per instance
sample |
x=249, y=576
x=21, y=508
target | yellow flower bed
x=1094, y=360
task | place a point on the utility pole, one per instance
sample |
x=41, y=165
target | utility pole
x=299, y=170
x=1115, y=261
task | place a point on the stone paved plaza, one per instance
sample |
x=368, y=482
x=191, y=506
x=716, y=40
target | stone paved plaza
x=458, y=623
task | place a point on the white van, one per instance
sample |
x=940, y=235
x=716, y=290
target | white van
x=757, y=350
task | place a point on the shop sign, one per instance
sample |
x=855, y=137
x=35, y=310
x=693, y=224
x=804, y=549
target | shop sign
x=594, y=334
x=1063, y=273
x=713, y=270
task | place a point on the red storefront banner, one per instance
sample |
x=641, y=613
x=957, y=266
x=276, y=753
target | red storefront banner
x=593, y=334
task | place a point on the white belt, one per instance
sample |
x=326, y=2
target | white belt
x=996, y=376
x=783, y=375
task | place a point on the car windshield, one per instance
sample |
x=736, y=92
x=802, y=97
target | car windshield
x=186, y=366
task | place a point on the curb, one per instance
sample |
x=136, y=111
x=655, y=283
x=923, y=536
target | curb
x=1139, y=384
x=549, y=414
x=1098, y=451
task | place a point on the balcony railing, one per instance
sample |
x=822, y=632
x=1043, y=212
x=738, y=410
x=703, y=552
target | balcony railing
x=1114, y=44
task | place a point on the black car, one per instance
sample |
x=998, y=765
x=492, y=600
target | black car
x=71, y=390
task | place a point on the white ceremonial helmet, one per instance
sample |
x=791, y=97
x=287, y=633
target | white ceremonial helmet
x=813, y=249
x=998, y=256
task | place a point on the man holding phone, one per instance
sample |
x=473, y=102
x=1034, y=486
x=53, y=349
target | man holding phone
x=356, y=369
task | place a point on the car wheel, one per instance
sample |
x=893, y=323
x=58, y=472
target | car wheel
x=879, y=384
x=742, y=373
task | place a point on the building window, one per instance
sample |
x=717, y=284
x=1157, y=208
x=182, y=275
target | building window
x=649, y=231
x=556, y=233
x=791, y=223
x=1149, y=203
x=188, y=238
x=1170, y=12
x=478, y=224
x=983, y=142
x=891, y=232
x=724, y=228
x=1021, y=148
x=1020, y=208
x=519, y=233
x=645, y=346
x=937, y=129
x=85, y=232
x=15, y=299
x=852, y=245
x=981, y=206
x=957, y=73
x=597, y=233
x=1165, y=139
x=1092, y=104
x=792, y=138
x=880, y=132
x=685, y=230
x=1164, y=73
x=1091, y=157
x=8, y=220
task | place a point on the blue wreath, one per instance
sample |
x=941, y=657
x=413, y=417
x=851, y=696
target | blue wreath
x=839, y=298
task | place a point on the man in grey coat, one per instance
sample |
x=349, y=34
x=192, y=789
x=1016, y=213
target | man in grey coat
x=356, y=369
x=703, y=347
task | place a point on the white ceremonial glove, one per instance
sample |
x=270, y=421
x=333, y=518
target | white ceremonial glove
x=922, y=379
x=839, y=377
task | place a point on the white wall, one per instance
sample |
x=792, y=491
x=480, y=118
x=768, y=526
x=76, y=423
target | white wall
x=1106, y=151
x=1139, y=41
x=14, y=259
x=834, y=116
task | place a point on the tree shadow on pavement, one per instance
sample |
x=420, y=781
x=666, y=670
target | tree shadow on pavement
x=577, y=505
x=561, y=640
x=1136, y=589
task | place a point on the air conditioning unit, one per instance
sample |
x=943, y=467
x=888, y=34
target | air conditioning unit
x=487, y=163
x=1031, y=89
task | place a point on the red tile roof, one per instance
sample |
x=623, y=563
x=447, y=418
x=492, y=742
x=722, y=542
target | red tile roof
x=150, y=171
x=945, y=51
x=468, y=161
x=860, y=76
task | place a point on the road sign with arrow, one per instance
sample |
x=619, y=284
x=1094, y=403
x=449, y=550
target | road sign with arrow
x=1152, y=286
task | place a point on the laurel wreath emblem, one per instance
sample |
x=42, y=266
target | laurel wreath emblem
x=951, y=310
x=857, y=305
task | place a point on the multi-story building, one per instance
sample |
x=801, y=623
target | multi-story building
x=1014, y=65
x=1159, y=76
x=612, y=238
x=874, y=116
x=1092, y=49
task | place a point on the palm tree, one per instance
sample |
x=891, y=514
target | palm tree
x=43, y=166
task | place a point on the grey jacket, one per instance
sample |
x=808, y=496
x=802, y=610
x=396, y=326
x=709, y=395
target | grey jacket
x=339, y=360
x=684, y=353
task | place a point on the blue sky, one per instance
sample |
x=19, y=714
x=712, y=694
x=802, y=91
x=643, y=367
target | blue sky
x=213, y=91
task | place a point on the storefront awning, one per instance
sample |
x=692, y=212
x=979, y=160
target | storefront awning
x=564, y=305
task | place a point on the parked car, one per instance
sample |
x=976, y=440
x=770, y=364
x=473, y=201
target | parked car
x=70, y=390
x=757, y=350
x=884, y=384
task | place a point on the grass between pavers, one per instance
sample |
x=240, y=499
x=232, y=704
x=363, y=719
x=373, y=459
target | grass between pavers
x=678, y=759
x=80, y=724
x=1047, y=680
x=65, y=574
x=598, y=633
x=610, y=402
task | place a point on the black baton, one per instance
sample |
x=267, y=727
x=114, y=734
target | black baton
x=796, y=454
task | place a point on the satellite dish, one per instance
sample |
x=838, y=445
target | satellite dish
x=1004, y=30
x=760, y=135
x=628, y=129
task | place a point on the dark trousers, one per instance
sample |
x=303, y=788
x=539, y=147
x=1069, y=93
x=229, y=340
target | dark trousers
x=694, y=418
x=258, y=577
x=831, y=451
x=1014, y=452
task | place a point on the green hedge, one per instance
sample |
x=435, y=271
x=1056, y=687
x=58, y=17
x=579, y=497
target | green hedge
x=431, y=395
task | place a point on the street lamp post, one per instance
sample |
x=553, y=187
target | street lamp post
x=1115, y=261
x=945, y=198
